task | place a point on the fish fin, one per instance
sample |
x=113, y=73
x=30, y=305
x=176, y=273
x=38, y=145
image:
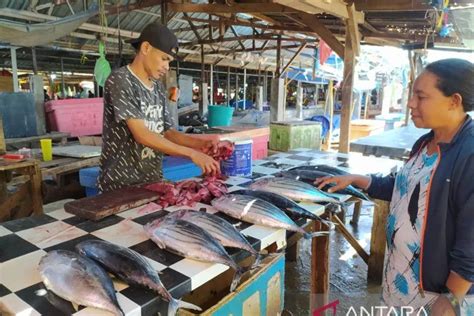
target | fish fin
x=316, y=234
x=176, y=304
x=159, y=242
x=258, y=261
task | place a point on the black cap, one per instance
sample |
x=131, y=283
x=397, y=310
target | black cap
x=160, y=37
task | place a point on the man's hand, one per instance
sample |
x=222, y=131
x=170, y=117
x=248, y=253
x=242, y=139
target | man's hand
x=209, y=146
x=208, y=165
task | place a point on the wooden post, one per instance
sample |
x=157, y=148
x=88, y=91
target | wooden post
x=236, y=88
x=211, y=84
x=378, y=242
x=202, y=103
x=33, y=57
x=330, y=103
x=36, y=197
x=347, y=85
x=278, y=57
x=63, y=88
x=299, y=101
x=319, y=268
x=410, y=85
x=366, y=106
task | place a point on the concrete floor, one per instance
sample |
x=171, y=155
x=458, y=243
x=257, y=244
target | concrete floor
x=348, y=272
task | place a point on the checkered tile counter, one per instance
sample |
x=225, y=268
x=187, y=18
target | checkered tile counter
x=23, y=242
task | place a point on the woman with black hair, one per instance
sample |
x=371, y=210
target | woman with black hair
x=430, y=228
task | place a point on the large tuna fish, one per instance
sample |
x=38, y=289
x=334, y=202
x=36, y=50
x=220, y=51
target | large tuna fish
x=309, y=176
x=293, y=189
x=256, y=211
x=323, y=168
x=191, y=241
x=79, y=280
x=218, y=227
x=131, y=267
x=283, y=203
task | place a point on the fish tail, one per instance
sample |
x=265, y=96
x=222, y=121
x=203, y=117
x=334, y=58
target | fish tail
x=258, y=261
x=316, y=234
x=237, y=276
x=118, y=310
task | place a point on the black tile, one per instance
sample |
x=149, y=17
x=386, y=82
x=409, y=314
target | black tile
x=71, y=244
x=91, y=226
x=13, y=246
x=277, y=165
x=177, y=283
x=150, y=302
x=150, y=217
x=343, y=159
x=28, y=222
x=49, y=304
x=75, y=220
x=149, y=249
x=256, y=175
x=3, y=290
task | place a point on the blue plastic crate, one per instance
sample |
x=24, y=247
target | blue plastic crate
x=174, y=169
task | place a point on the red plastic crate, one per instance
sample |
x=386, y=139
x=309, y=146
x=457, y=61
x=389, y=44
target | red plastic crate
x=78, y=117
x=260, y=147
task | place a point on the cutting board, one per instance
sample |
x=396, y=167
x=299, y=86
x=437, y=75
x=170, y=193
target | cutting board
x=109, y=203
x=77, y=151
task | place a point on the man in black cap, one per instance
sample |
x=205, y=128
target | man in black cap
x=137, y=124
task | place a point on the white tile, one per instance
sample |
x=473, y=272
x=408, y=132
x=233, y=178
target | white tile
x=259, y=162
x=195, y=207
x=21, y=272
x=60, y=214
x=51, y=234
x=237, y=180
x=265, y=170
x=91, y=311
x=141, y=210
x=126, y=233
x=282, y=155
x=314, y=208
x=302, y=149
x=4, y=231
x=235, y=188
x=129, y=307
x=292, y=162
x=199, y=272
x=267, y=235
x=16, y=306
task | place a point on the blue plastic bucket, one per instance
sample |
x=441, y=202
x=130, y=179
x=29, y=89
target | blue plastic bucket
x=219, y=115
x=240, y=163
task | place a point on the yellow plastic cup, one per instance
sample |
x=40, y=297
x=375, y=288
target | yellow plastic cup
x=47, y=149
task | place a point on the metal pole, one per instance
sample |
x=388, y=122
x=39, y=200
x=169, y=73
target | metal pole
x=211, y=83
x=236, y=88
x=228, y=86
x=245, y=88
x=35, y=65
x=63, y=93
x=14, y=69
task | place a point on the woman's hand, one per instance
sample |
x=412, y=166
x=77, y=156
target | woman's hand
x=342, y=182
x=442, y=307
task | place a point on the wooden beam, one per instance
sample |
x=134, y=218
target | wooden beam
x=257, y=49
x=354, y=29
x=113, y=9
x=293, y=58
x=319, y=28
x=242, y=38
x=237, y=35
x=397, y=5
x=193, y=28
x=237, y=8
x=278, y=58
x=266, y=18
x=347, y=85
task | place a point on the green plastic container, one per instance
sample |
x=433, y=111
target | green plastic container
x=285, y=136
x=219, y=115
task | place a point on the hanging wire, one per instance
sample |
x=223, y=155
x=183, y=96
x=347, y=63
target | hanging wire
x=103, y=19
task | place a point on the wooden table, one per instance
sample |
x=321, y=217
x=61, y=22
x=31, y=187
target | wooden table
x=395, y=143
x=34, y=141
x=27, y=199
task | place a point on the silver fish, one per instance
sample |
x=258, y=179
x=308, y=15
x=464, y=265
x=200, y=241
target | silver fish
x=293, y=189
x=218, y=227
x=258, y=211
x=131, y=267
x=78, y=279
x=191, y=241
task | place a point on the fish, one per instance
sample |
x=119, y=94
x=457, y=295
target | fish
x=284, y=204
x=79, y=280
x=309, y=176
x=293, y=189
x=257, y=211
x=218, y=228
x=323, y=168
x=191, y=241
x=131, y=267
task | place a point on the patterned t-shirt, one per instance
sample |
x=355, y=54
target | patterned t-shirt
x=123, y=161
x=404, y=233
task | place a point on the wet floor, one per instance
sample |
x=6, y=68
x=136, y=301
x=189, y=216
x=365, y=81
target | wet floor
x=348, y=272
